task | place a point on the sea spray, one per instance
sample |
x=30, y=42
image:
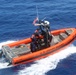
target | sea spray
x=41, y=67
x=6, y=42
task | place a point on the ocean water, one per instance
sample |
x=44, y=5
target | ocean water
x=16, y=18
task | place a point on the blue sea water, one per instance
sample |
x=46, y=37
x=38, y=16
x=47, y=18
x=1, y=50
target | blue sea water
x=16, y=18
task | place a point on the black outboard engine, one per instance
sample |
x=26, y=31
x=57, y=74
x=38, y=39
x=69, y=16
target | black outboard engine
x=1, y=52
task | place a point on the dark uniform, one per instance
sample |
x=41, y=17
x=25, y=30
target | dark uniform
x=45, y=28
x=35, y=44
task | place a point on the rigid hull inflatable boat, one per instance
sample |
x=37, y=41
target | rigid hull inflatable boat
x=19, y=52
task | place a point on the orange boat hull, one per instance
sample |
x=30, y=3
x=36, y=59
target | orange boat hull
x=45, y=52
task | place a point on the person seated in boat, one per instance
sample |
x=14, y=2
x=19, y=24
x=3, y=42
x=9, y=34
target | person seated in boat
x=35, y=44
x=45, y=28
x=38, y=37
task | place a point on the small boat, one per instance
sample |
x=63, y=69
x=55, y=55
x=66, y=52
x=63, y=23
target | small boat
x=19, y=52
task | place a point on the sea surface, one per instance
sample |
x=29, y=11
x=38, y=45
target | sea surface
x=16, y=23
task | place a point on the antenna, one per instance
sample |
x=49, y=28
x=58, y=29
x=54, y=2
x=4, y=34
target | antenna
x=37, y=12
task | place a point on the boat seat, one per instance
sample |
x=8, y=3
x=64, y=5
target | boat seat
x=68, y=32
x=62, y=36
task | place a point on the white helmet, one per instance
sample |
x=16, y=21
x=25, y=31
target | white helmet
x=46, y=22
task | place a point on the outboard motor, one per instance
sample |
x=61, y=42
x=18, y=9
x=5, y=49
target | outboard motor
x=1, y=52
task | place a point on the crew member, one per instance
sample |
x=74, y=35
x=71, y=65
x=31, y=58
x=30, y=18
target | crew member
x=38, y=37
x=45, y=28
x=33, y=43
x=36, y=41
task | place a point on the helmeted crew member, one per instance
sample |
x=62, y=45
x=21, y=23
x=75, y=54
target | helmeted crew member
x=45, y=28
x=45, y=32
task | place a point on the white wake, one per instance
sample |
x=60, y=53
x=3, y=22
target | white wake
x=41, y=67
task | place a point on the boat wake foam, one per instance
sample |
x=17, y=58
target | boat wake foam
x=41, y=67
x=3, y=64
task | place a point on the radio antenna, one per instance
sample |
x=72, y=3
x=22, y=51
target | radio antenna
x=37, y=12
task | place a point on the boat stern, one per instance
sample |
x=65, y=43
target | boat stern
x=7, y=52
